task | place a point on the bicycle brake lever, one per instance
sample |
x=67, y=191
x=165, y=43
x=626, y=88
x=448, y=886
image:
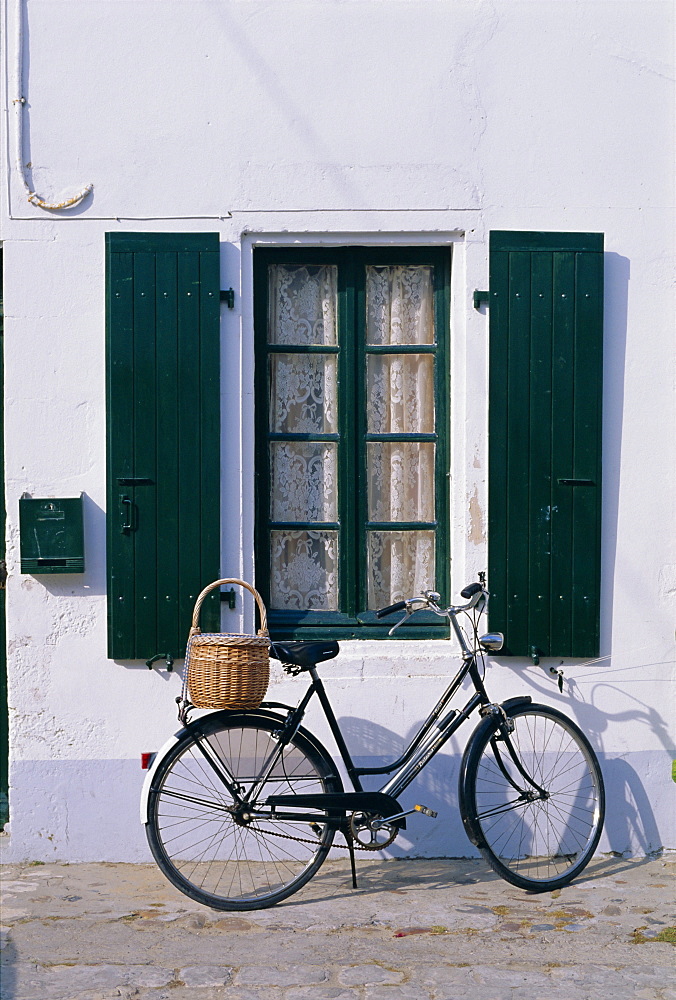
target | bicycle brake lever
x=400, y=622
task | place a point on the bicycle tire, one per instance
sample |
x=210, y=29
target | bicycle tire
x=195, y=840
x=535, y=842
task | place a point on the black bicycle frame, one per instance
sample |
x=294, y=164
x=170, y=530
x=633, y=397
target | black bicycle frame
x=433, y=733
x=436, y=730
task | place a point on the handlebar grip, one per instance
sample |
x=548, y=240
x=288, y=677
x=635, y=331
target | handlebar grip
x=470, y=590
x=399, y=606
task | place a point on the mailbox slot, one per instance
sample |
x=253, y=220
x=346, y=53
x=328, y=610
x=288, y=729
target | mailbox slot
x=51, y=535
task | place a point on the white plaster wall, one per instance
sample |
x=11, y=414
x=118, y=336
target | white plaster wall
x=345, y=121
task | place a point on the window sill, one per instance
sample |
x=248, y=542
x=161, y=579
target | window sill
x=343, y=632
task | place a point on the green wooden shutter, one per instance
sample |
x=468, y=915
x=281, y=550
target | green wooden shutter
x=163, y=405
x=544, y=535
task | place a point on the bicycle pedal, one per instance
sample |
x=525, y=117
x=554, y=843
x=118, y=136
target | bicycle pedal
x=425, y=811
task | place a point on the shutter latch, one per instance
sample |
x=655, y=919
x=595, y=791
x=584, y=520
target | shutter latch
x=480, y=298
x=228, y=296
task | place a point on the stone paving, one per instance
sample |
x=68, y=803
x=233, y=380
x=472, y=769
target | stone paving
x=414, y=930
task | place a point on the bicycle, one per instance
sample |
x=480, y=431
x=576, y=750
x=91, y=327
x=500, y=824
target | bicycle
x=241, y=808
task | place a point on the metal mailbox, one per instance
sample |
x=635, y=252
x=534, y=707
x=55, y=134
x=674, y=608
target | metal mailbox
x=52, y=535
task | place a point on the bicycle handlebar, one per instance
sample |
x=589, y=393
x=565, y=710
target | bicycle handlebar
x=472, y=592
x=399, y=606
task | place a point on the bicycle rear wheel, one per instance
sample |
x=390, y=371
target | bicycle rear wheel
x=240, y=863
x=533, y=800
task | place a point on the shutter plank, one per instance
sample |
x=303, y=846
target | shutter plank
x=167, y=451
x=210, y=424
x=498, y=436
x=540, y=511
x=518, y=447
x=145, y=453
x=563, y=396
x=586, y=548
x=120, y=455
x=189, y=408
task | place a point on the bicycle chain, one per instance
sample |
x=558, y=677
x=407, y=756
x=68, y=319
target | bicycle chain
x=304, y=840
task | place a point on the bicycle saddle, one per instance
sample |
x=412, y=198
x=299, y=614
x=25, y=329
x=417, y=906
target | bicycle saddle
x=303, y=654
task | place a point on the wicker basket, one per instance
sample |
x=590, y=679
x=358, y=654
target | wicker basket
x=226, y=670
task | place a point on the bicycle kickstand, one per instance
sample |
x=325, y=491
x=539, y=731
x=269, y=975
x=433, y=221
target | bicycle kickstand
x=350, y=847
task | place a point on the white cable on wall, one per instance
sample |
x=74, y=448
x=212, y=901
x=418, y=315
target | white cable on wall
x=19, y=103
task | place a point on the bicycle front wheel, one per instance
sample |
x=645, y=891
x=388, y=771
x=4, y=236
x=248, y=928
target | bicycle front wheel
x=229, y=860
x=533, y=800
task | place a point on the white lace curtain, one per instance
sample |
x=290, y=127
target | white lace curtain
x=304, y=399
x=400, y=391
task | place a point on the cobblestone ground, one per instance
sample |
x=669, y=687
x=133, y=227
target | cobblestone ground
x=414, y=930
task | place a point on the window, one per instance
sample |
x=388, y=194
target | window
x=352, y=435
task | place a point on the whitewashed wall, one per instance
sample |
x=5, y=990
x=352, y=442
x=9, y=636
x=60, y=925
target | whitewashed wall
x=333, y=121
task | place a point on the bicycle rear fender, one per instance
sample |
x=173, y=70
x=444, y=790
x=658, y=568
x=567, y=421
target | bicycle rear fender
x=159, y=757
x=264, y=712
x=487, y=723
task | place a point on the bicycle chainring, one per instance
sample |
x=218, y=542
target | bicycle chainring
x=368, y=838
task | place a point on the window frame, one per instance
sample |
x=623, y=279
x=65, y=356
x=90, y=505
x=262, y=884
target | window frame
x=352, y=352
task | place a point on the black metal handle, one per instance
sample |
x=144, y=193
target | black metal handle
x=576, y=482
x=127, y=515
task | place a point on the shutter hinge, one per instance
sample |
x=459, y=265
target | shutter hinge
x=480, y=298
x=228, y=296
x=167, y=657
x=228, y=596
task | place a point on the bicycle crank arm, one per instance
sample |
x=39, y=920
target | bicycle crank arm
x=378, y=823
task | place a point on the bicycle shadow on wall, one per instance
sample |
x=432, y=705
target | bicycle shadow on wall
x=631, y=827
x=436, y=787
x=630, y=823
x=440, y=850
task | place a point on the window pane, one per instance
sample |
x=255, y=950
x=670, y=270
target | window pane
x=304, y=481
x=304, y=570
x=303, y=393
x=400, y=565
x=400, y=393
x=399, y=305
x=302, y=304
x=400, y=480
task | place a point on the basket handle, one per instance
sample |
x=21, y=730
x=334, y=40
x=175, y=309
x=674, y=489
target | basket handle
x=263, y=630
